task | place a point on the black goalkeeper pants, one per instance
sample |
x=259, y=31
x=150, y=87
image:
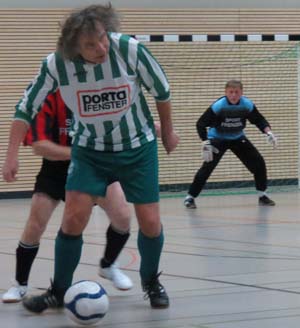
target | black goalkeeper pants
x=247, y=154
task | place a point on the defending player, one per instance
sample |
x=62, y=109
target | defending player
x=100, y=73
x=49, y=137
x=226, y=119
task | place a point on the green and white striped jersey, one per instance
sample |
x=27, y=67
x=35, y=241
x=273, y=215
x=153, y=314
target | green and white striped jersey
x=109, y=108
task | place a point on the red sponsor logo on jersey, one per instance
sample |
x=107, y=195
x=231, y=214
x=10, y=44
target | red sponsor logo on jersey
x=106, y=101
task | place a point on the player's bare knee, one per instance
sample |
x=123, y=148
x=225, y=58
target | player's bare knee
x=151, y=227
x=122, y=223
x=74, y=222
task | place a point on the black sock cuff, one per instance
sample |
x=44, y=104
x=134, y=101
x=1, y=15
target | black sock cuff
x=26, y=246
x=112, y=229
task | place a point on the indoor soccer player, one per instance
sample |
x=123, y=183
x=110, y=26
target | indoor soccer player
x=49, y=137
x=100, y=74
x=226, y=119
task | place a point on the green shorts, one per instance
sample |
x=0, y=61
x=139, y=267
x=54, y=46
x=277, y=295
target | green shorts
x=91, y=171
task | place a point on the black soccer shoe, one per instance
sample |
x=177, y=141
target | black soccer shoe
x=189, y=202
x=39, y=303
x=155, y=291
x=265, y=201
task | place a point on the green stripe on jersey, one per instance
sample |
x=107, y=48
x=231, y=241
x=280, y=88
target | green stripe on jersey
x=136, y=120
x=137, y=123
x=36, y=87
x=80, y=71
x=144, y=106
x=125, y=131
x=61, y=70
x=98, y=72
x=124, y=49
x=147, y=114
x=142, y=52
x=79, y=131
x=114, y=64
x=93, y=135
x=107, y=139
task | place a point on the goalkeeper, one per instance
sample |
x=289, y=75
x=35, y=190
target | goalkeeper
x=226, y=119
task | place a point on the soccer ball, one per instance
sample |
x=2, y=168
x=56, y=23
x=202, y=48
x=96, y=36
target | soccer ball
x=86, y=302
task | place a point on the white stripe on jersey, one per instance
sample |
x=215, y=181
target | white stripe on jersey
x=132, y=53
x=117, y=136
x=99, y=141
x=83, y=137
x=133, y=132
x=107, y=72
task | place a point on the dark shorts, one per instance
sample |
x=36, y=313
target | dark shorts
x=51, y=179
x=92, y=171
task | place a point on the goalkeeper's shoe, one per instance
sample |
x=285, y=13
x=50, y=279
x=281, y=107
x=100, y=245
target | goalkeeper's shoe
x=189, y=202
x=265, y=201
x=52, y=298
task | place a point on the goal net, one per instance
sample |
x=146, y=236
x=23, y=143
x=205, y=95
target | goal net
x=197, y=73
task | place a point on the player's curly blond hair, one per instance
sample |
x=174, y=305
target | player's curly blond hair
x=85, y=21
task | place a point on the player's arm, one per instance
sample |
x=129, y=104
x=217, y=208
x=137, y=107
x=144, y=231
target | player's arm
x=17, y=133
x=51, y=151
x=256, y=118
x=155, y=81
x=169, y=138
x=263, y=125
x=204, y=121
x=26, y=109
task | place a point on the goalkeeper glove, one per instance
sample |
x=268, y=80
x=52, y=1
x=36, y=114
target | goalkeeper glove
x=271, y=138
x=208, y=151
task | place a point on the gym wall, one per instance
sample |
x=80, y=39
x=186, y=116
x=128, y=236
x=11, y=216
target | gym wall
x=197, y=71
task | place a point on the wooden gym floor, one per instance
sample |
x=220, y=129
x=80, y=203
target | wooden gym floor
x=227, y=264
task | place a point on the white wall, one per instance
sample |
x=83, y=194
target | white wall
x=153, y=3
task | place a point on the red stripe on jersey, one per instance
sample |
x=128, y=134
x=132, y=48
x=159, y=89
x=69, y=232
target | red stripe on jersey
x=52, y=123
x=61, y=121
x=28, y=138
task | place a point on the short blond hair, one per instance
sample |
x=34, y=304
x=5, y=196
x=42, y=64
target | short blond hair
x=234, y=84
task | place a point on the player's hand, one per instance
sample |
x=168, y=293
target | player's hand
x=271, y=138
x=170, y=141
x=10, y=169
x=208, y=151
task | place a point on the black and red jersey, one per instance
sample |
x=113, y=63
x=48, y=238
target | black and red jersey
x=52, y=123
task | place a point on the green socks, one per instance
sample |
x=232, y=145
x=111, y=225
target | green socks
x=150, y=250
x=67, y=256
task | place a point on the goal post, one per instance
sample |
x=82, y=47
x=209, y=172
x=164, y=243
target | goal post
x=298, y=107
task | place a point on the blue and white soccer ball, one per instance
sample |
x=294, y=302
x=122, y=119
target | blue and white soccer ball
x=86, y=302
